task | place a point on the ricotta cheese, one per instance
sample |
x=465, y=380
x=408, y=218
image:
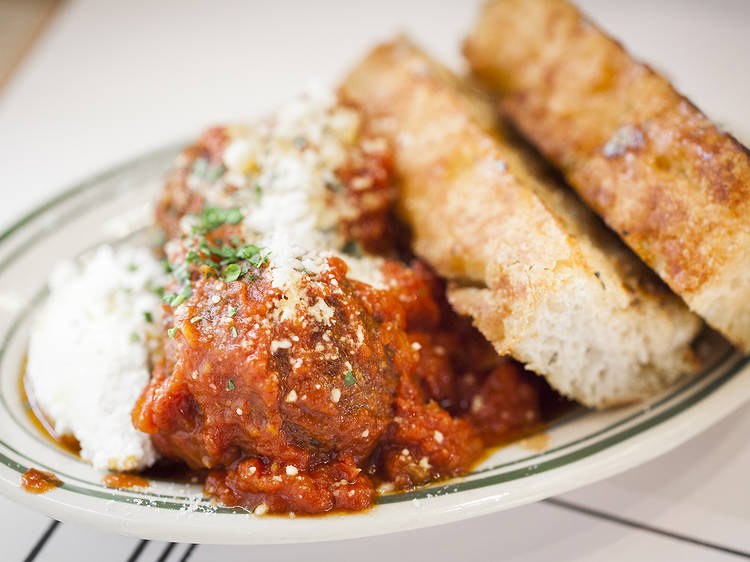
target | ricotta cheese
x=90, y=351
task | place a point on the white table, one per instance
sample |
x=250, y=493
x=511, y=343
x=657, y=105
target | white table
x=111, y=79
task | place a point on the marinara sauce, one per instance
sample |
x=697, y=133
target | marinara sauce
x=306, y=399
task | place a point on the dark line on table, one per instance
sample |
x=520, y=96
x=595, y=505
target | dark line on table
x=188, y=552
x=165, y=552
x=644, y=527
x=42, y=541
x=137, y=550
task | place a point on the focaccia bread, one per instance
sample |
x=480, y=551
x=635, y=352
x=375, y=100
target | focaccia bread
x=666, y=179
x=542, y=278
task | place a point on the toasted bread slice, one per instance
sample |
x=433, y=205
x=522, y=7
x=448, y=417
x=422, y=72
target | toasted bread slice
x=673, y=186
x=541, y=276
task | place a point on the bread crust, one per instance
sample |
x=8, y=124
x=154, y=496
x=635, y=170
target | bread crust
x=666, y=179
x=522, y=255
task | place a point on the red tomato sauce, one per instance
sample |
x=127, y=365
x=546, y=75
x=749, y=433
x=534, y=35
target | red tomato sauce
x=306, y=414
x=38, y=481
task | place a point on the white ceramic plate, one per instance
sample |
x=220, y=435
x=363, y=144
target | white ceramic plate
x=582, y=447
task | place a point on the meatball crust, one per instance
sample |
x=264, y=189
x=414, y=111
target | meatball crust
x=299, y=390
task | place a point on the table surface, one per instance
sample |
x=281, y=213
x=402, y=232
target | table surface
x=108, y=80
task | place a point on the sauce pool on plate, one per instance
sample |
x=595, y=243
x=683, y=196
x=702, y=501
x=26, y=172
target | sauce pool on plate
x=38, y=481
x=126, y=481
x=39, y=420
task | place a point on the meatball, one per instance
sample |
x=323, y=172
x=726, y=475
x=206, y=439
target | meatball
x=178, y=198
x=303, y=371
x=303, y=400
x=236, y=380
x=284, y=406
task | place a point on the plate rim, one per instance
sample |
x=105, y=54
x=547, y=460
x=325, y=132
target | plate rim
x=59, y=508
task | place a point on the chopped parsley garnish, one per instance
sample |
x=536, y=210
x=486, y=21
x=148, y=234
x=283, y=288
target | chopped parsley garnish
x=334, y=186
x=232, y=311
x=202, y=169
x=195, y=319
x=176, y=299
x=349, y=379
x=258, y=259
x=148, y=317
x=248, y=251
x=223, y=252
x=134, y=337
x=171, y=332
x=234, y=216
x=214, y=257
x=351, y=248
x=235, y=261
x=132, y=267
x=215, y=173
x=200, y=166
x=213, y=217
x=234, y=331
x=258, y=193
x=193, y=257
x=181, y=272
x=230, y=384
x=232, y=272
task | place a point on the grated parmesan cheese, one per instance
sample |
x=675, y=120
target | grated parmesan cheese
x=284, y=169
x=335, y=395
x=322, y=312
x=262, y=509
x=280, y=344
x=89, y=353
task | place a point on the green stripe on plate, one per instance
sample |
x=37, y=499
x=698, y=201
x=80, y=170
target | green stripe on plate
x=172, y=502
